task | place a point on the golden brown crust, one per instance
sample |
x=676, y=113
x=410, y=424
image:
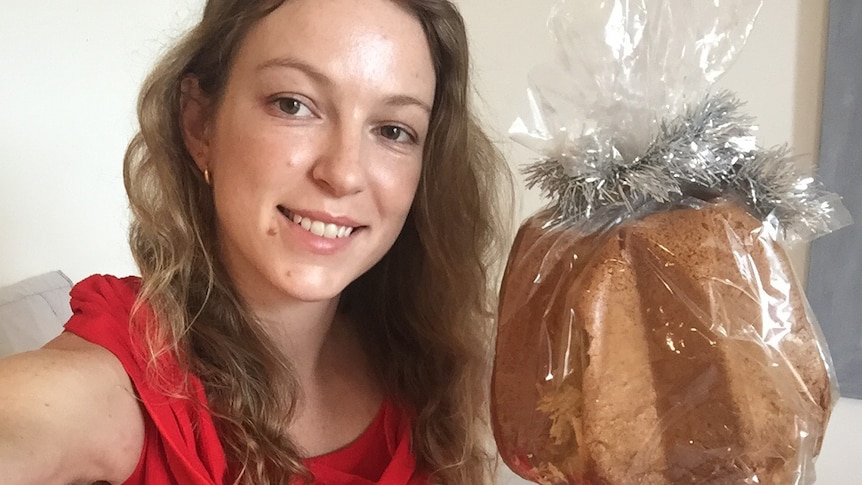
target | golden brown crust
x=589, y=325
x=533, y=265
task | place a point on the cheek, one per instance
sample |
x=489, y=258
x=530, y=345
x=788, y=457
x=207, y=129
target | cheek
x=234, y=208
x=246, y=147
x=257, y=166
x=400, y=190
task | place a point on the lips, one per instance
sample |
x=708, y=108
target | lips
x=320, y=224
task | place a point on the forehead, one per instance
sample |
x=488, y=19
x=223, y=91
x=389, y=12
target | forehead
x=376, y=42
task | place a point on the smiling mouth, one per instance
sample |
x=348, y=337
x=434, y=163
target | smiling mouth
x=318, y=228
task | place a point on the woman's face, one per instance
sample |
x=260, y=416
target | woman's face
x=315, y=149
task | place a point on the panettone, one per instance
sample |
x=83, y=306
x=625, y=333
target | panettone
x=674, y=348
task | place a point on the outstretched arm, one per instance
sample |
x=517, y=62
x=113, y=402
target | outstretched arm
x=68, y=414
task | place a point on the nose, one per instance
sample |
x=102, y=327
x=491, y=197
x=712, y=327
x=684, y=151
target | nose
x=338, y=169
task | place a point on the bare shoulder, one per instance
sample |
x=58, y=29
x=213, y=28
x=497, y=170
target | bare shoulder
x=72, y=406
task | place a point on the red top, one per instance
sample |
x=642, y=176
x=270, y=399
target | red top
x=181, y=446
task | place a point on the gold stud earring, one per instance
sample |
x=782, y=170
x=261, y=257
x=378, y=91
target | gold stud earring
x=207, y=177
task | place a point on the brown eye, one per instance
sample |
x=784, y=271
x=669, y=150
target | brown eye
x=396, y=133
x=293, y=107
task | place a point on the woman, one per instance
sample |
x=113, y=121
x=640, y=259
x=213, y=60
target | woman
x=315, y=214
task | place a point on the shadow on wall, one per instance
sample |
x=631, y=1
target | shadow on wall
x=834, y=281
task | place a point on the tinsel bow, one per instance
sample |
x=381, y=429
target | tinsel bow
x=710, y=147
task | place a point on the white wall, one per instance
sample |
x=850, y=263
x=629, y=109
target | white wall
x=69, y=74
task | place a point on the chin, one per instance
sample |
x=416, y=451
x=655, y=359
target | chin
x=310, y=290
x=315, y=296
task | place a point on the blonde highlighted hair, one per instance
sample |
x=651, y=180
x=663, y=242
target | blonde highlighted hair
x=426, y=309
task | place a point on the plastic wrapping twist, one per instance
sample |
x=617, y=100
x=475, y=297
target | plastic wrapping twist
x=651, y=329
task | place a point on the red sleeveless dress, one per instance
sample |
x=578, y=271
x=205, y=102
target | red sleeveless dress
x=181, y=446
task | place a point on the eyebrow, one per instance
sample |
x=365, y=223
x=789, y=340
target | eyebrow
x=293, y=63
x=404, y=100
x=312, y=72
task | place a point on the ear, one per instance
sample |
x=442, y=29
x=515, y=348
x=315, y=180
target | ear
x=194, y=121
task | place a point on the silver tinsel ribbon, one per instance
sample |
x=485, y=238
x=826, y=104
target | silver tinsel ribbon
x=710, y=148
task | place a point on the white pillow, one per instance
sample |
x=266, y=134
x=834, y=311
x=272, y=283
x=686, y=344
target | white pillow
x=33, y=311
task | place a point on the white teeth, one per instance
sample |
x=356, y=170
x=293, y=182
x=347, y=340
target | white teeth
x=318, y=228
x=331, y=231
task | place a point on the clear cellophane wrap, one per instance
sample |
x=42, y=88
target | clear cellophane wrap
x=651, y=329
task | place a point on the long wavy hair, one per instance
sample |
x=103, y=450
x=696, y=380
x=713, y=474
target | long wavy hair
x=426, y=309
